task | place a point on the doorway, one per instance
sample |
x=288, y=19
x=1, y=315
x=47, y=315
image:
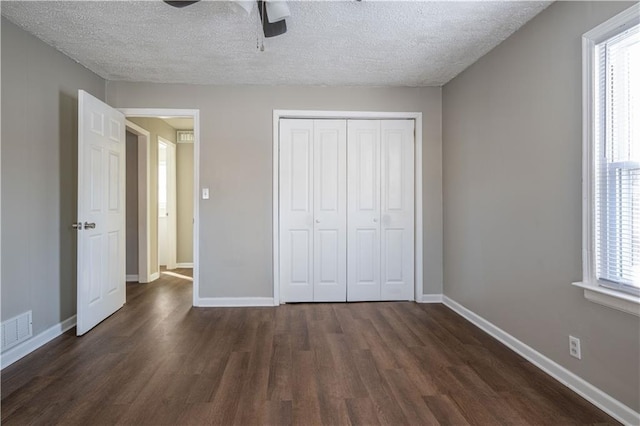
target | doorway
x=138, y=268
x=178, y=199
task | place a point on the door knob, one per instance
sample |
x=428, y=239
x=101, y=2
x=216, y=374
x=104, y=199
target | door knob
x=317, y=220
x=375, y=219
x=77, y=225
x=88, y=225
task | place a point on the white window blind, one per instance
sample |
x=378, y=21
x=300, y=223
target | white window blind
x=617, y=162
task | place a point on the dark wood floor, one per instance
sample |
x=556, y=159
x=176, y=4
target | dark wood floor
x=160, y=361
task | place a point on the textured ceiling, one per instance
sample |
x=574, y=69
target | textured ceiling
x=410, y=43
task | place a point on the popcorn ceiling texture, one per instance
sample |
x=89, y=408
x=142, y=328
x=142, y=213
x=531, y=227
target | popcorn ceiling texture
x=328, y=42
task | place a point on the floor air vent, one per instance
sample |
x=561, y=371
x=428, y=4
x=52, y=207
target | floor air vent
x=16, y=330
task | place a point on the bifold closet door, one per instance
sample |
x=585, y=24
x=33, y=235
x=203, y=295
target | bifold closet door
x=330, y=211
x=397, y=210
x=380, y=212
x=296, y=209
x=313, y=210
x=363, y=211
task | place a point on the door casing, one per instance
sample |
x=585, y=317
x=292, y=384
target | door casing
x=144, y=221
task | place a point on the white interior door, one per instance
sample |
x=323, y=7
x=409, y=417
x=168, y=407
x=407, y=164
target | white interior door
x=296, y=210
x=397, y=199
x=330, y=211
x=167, y=204
x=101, y=211
x=363, y=193
x=163, y=205
x=380, y=210
x=172, y=207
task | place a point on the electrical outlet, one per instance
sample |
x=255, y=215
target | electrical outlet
x=574, y=347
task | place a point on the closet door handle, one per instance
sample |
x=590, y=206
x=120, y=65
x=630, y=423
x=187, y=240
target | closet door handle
x=317, y=220
x=375, y=219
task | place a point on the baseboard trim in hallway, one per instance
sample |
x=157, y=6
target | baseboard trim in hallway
x=37, y=341
x=597, y=397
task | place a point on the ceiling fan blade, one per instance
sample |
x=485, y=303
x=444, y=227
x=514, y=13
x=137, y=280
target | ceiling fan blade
x=246, y=5
x=180, y=3
x=277, y=10
x=271, y=29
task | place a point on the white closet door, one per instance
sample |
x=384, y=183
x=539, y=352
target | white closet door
x=330, y=211
x=346, y=210
x=397, y=197
x=296, y=210
x=363, y=211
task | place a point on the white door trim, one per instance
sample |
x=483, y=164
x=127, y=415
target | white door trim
x=195, y=114
x=144, y=222
x=373, y=115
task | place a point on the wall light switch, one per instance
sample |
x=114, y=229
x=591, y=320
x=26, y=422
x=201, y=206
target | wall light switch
x=205, y=193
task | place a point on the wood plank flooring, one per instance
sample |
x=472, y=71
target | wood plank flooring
x=159, y=361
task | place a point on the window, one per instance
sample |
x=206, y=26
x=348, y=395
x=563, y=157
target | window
x=611, y=181
x=617, y=162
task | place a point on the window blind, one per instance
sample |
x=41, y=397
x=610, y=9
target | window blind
x=617, y=162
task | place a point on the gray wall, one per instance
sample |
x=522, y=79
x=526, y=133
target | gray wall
x=39, y=177
x=155, y=127
x=512, y=199
x=132, y=204
x=236, y=164
x=184, y=178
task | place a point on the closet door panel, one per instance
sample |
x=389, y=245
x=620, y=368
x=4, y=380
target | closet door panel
x=363, y=216
x=296, y=210
x=397, y=197
x=330, y=211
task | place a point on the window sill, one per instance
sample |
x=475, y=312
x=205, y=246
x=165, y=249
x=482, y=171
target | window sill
x=611, y=298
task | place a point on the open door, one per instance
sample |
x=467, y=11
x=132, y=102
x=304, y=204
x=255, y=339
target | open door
x=101, y=211
x=172, y=211
x=167, y=204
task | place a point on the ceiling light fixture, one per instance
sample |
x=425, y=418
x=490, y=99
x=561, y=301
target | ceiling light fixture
x=180, y=3
x=272, y=13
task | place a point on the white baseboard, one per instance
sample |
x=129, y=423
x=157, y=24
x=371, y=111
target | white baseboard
x=184, y=265
x=154, y=276
x=429, y=298
x=28, y=346
x=132, y=278
x=234, y=301
x=600, y=399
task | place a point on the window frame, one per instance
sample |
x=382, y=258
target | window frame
x=593, y=290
